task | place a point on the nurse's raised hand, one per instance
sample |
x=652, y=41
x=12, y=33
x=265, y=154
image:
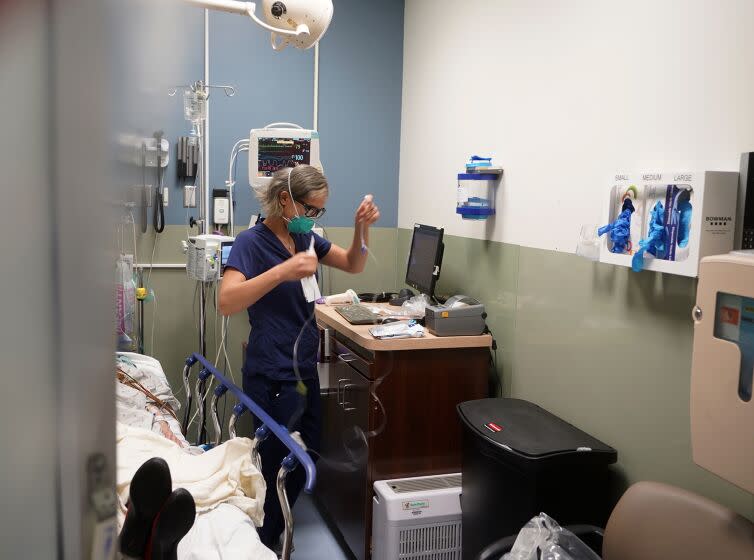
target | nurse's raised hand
x=299, y=266
x=368, y=212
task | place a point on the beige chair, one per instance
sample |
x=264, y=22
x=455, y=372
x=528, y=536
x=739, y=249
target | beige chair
x=655, y=521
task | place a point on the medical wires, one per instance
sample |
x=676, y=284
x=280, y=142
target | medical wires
x=221, y=348
x=153, y=294
x=240, y=146
x=355, y=435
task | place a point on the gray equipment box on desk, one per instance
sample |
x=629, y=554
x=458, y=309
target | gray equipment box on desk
x=460, y=316
x=520, y=460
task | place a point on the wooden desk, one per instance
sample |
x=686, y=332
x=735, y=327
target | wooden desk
x=359, y=334
x=390, y=413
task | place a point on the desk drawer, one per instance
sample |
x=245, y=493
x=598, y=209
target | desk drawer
x=351, y=357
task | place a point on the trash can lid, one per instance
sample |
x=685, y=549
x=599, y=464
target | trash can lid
x=520, y=427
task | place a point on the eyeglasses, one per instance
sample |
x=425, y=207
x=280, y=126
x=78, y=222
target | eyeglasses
x=312, y=211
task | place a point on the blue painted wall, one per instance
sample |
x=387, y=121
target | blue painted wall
x=361, y=66
x=361, y=72
x=145, y=107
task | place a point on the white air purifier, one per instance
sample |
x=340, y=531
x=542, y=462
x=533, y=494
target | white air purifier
x=417, y=518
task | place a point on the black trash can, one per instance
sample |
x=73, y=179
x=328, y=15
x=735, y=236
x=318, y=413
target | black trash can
x=520, y=460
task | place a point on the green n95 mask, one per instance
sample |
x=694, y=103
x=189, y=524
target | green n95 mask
x=297, y=224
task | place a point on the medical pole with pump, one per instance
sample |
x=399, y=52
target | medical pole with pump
x=203, y=223
x=202, y=89
x=204, y=216
x=204, y=186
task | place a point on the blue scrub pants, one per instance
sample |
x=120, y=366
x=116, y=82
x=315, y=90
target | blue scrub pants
x=297, y=412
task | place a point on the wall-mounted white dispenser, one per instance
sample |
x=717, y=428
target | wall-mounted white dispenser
x=721, y=406
x=666, y=222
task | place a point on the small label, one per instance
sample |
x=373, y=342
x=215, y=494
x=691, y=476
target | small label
x=491, y=426
x=621, y=177
x=104, y=540
x=416, y=504
x=730, y=315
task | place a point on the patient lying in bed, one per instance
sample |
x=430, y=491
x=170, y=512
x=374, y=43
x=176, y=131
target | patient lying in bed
x=144, y=398
x=227, y=488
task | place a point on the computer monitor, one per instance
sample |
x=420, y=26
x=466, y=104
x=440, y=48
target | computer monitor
x=425, y=259
x=225, y=248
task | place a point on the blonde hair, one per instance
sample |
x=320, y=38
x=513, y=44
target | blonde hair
x=305, y=180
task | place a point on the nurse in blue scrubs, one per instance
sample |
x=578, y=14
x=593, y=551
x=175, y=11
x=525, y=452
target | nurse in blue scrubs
x=263, y=276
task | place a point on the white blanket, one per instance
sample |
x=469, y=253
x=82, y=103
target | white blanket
x=224, y=533
x=225, y=474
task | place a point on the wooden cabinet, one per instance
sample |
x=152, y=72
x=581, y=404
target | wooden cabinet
x=390, y=414
x=342, y=470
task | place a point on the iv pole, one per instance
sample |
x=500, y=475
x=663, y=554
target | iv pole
x=202, y=87
x=204, y=215
x=205, y=145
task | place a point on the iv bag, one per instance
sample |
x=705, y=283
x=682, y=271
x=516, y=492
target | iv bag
x=194, y=106
x=125, y=299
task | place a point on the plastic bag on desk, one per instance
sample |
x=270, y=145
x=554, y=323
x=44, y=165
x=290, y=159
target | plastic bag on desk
x=543, y=539
x=416, y=306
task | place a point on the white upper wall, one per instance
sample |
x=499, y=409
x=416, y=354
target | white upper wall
x=562, y=94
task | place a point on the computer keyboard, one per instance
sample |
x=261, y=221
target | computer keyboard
x=358, y=315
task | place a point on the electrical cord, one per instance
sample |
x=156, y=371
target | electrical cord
x=201, y=404
x=498, y=390
x=240, y=146
x=226, y=336
x=214, y=296
x=133, y=223
x=158, y=219
x=154, y=322
x=144, y=201
x=329, y=274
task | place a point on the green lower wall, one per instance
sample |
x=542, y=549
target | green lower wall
x=604, y=348
x=177, y=303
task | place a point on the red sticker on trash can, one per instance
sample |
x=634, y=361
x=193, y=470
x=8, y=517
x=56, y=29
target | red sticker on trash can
x=491, y=426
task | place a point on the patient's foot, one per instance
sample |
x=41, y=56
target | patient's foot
x=174, y=520
x=150, y=487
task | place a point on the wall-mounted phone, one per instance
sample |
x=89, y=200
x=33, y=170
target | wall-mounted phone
x=155, y=153
x=221, y=204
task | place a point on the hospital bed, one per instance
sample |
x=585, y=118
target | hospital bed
x=297, y=456
x=226, y=531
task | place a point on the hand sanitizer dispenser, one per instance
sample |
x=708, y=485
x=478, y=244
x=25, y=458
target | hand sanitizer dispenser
x=722, y=408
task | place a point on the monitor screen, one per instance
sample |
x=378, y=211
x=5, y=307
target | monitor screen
x=225, y=248
x=277, y=153
x=424, y=259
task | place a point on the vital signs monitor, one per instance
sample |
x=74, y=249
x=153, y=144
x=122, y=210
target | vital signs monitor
x=271, y=149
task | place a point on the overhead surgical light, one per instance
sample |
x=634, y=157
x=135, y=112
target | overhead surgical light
x=301, y=23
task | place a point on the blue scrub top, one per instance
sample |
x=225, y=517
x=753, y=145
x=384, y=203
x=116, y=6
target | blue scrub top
x=279, y=316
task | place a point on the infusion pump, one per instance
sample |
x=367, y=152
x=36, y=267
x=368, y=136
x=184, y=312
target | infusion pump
x=271, y=149
x=206, y=256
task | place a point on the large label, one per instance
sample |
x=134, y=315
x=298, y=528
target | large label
x=734, y=322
